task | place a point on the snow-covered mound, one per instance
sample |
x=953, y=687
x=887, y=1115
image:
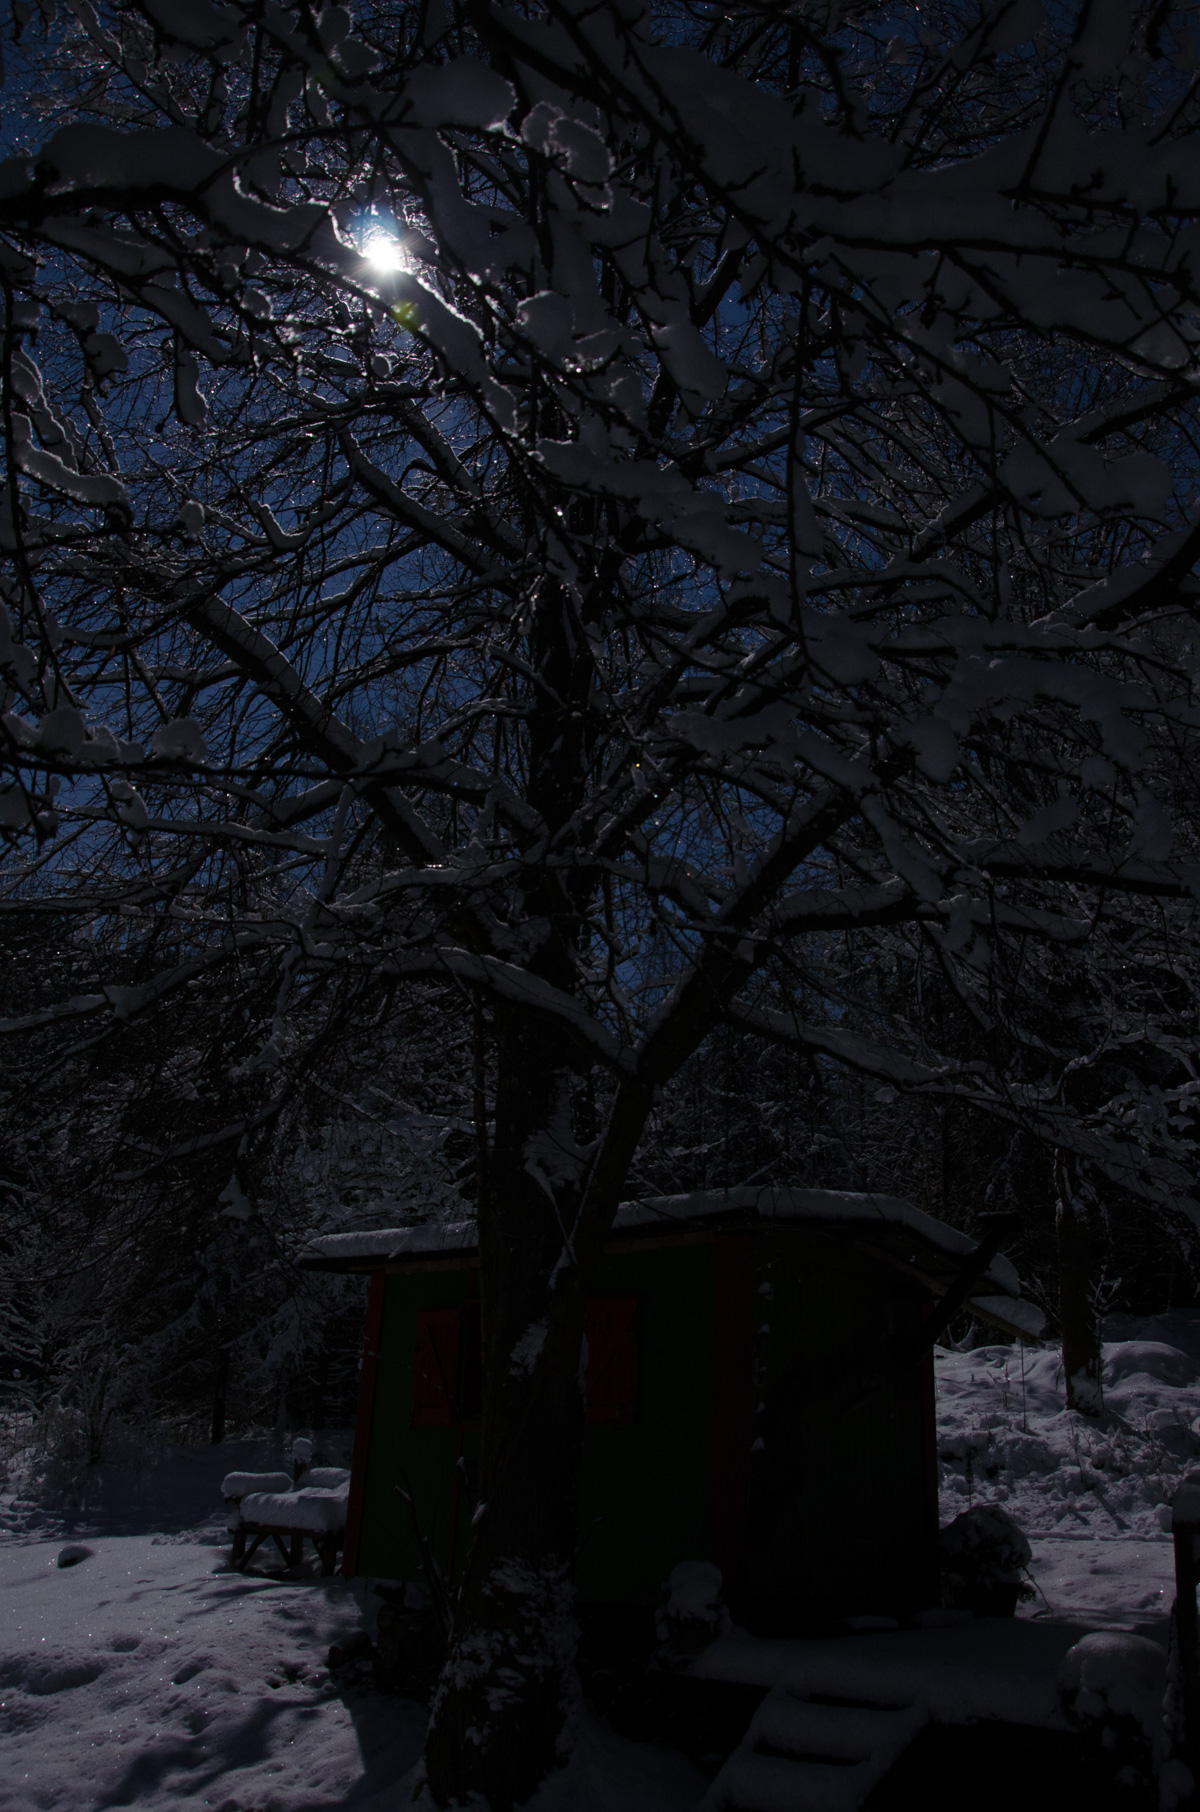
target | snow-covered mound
x=1005, y=1436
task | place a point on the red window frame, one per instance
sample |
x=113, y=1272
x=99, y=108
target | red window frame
x=611, y=1388
x=446, y=1364
x=435, y=1368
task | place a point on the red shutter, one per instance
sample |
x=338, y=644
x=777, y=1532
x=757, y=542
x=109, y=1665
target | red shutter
x=435, y=1370
x=611, y=1329
x=470, y=1368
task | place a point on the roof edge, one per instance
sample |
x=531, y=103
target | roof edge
x=371, y=1250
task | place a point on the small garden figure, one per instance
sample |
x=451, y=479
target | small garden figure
x=691, y=1613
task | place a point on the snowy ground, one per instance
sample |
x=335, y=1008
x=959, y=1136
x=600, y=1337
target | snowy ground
x=146, y=1676
x=1090, y=1493
x=150, y=1676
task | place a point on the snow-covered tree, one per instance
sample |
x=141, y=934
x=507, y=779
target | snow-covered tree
x=605, y=506
x=156, y=1280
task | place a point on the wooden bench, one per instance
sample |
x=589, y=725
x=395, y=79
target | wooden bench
x=269, y=1510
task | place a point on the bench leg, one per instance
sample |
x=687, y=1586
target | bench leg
x=290, y=1543
x=248, y=1553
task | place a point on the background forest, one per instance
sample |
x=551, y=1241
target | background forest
x=161, y=1308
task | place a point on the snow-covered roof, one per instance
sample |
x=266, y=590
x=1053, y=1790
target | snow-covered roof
x=388, y=1245
x=864, y=1211
x=826, y=1205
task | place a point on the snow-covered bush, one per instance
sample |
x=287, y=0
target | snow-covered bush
x=984, y=1555
x=1111, y=1684
x=1175, y=1779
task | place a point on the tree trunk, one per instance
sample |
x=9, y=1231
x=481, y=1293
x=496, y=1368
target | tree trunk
x=546, y=1202
x=501, y=1706
x=1076, y=1302
x=498, y=1718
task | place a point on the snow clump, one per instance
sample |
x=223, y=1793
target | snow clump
x=691, y=1613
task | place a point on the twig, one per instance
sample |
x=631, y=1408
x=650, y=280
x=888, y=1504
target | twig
x=438, y=1591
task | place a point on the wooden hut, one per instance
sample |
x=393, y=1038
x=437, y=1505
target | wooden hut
x=760, y=1393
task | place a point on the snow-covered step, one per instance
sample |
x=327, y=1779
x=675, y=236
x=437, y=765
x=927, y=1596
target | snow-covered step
x=808, y=1752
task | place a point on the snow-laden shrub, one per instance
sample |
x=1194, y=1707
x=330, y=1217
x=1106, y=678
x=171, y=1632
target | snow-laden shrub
x=1111, y=1685
x=984, y=1554
x=68, y=1444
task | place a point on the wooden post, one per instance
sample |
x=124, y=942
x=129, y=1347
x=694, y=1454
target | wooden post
x=248, y=1553
x=363, y=1422
x=1076, y=1227
x=733, y=1407
x=1185, y=1530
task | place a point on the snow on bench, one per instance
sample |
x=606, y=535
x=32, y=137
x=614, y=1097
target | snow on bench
x=237, y=1485
x=326, y=1478
x=314, y=1510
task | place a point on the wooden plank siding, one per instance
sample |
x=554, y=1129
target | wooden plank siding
x=843, y=1506
x=751, y=1441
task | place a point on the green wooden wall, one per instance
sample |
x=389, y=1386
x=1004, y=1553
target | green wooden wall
x=843, y=1507
x=644, y=1498
x=423, y=1459
x=649, y=1483
x=840, y=1517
